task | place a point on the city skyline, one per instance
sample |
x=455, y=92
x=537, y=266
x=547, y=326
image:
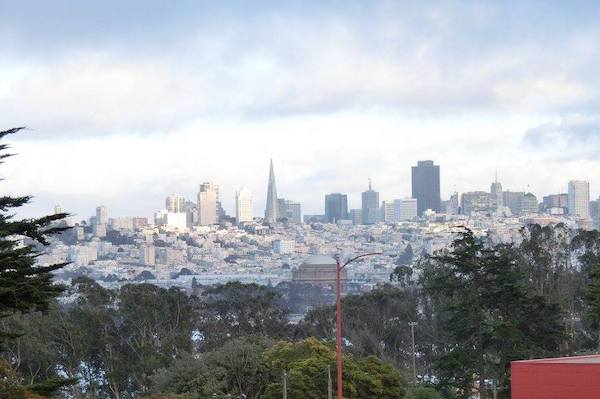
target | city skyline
x=360, y=91
x=373, y=208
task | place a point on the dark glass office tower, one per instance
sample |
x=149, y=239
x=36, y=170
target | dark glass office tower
x=426, y=186
x=336, y=207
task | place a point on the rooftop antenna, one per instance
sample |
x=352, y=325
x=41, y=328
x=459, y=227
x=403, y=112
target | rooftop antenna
x=369, y=184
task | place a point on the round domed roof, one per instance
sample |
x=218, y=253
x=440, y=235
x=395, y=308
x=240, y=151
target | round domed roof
x=319, y=260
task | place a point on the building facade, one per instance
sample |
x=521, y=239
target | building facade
x=336, y=207
x=370, y=206
x=426, y=186
x=579, y=198
x=208, y=208
x=243, y=205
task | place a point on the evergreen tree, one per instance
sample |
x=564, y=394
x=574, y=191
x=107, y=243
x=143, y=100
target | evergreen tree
x=488, y=314
x=24, y=287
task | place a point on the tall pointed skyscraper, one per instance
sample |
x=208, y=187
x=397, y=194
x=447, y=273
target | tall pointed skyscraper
x=271, y=209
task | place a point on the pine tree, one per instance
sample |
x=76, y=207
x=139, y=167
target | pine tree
x=24, y=287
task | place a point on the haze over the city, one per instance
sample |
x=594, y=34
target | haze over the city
x=128, y=102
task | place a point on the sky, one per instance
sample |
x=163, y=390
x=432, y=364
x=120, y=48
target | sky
x=128, y=102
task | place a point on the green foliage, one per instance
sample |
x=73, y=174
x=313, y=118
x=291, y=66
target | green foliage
x=306, y=364
x=376, y=323
x=24, y=287
x=423, y=393
x=238, y=368
x=490, y=317
x=236, y=309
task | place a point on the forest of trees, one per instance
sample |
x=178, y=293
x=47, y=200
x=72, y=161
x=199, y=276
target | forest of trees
x=477, y=306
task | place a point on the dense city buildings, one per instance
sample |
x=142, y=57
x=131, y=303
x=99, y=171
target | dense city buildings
x=426, y=186
x=336, y=207
x=271, y=214
x=243, y=205
x=188, y=236
x=579, y=198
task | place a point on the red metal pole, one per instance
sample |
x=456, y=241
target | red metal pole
x=338, y=304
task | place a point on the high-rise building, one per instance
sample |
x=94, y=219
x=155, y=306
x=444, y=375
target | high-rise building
x=475, y=202
x=336, y=207
x=175, y=203
x=370, y=206
x=208, y=209
x=595, y=213
x=556, y=201
x=496, y=200
x=387, y=212
x=513, y=201
x=289, y=210
x=426, y=186
x=271, y=215
x=453, y=205
x=243, y=205
x=579, y=198
x=101, y=215
x=356, y=216
x=529, y=204
x=148, y=255
x=405, y=209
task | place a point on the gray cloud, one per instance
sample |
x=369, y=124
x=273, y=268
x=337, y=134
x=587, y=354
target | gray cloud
x=574, y=137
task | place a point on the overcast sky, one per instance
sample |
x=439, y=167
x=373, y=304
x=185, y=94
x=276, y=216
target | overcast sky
x=129, y=101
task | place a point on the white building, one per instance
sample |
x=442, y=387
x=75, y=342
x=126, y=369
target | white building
x=387, y=212
x=148, y=255
x=405, y=209
x=579, y=198
x=121, y=223
x=284, y=247
x=176, y=220
x=208, y=210
x=101, y=215
x=243, y=205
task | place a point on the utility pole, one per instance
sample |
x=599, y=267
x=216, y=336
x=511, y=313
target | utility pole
x=284, y=384
x=412, y=325
x=329, y=384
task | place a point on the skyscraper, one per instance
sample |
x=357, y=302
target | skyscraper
x=496, y=200
x=370, y=206
x=243, y=205
x=336, y=207
x=175, y=203
x=579, y=198
x=513, y=200
x=208, y=199
x=426, y=186
x=271, y=214
x=101, y=215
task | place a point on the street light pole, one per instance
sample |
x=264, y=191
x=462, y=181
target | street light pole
x=412, y=325
x=338, y=318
